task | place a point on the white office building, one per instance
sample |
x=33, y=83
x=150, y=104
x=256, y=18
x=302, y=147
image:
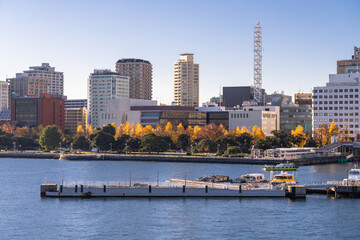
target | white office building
x=338, y=102
x=265, y=117
x=119, y=111
x=104, y=85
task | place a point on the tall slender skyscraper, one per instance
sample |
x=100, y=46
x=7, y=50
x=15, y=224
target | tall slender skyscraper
x=140, y=73
x=186, y=81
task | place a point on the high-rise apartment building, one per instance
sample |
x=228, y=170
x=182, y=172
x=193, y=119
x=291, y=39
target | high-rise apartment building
x=339, y=102
x=140, y=73
x=38, y=80
x=186, y=81
x=104, y=85
x=4, y=95
x=350, y=66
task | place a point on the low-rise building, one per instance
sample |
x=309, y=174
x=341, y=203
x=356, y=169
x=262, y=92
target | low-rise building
x=119, y=111
x=265, y=117
x=293, y=115
x=75, y=117
x=32, y=111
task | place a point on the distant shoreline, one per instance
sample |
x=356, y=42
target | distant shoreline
x=165, y=158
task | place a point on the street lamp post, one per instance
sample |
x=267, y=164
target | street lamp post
x=60, y=146
x=110, y=147
x=14, y=143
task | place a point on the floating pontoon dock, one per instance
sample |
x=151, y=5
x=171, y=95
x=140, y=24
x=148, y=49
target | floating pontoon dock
x=145, y=190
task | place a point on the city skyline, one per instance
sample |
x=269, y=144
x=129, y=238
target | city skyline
x=298, y=54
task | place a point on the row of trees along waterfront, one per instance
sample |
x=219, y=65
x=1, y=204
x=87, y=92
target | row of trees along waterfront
x=129, y=138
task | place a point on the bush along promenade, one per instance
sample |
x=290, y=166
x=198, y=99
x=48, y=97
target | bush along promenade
x=128, y=138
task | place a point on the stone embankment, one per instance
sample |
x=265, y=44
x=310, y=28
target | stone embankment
x=167, y=158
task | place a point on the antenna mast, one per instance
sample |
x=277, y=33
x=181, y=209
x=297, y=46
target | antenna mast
x=258, y=64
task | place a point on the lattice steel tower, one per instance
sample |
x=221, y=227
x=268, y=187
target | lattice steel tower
x=258, y=64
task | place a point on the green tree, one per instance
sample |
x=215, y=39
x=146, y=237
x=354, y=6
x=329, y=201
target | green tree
x=183, y=141
x=121, y=141
x=104, y=141
x=134, y=143
x=207, y=145
x=25, y=143
x=81, y=142
x=245, y=140
x=5, y=142
x=265, y=143
x=148, y=142
x=109, y=128
x=280, y=139
x=50, y=137
x=310, y=142
x=233, y=150
x=224, y=142
x=163, y=143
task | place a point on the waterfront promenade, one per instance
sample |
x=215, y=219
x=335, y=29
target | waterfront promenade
x=170, y=158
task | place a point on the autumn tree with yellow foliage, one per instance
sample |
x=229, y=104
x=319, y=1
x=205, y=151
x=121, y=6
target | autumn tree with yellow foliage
x=298, y=137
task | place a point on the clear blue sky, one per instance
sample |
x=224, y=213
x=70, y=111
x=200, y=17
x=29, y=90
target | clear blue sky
x=302, y=40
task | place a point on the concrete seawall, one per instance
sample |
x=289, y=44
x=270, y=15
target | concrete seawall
x=162, y=158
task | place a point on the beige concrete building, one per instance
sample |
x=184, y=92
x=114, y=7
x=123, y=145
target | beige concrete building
x=265, y=117
x=73, y=118
x=140, y=73
x=4, y=95
x=186, y=81
x=38, y=80
x=303, y=98
x=351, y=65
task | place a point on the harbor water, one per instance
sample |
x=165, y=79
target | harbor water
x=25, y=215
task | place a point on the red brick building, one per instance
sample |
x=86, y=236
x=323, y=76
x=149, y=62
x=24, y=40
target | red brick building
x=32, y=111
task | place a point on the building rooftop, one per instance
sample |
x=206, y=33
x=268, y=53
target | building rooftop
x=131, y=60
x=161, y=108
x=104, y=72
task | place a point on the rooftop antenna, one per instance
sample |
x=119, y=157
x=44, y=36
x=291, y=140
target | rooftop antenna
x=258, y=63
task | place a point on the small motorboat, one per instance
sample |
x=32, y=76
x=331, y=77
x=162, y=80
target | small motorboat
x=283, y=177
x=353, y=178
x=281, y=167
